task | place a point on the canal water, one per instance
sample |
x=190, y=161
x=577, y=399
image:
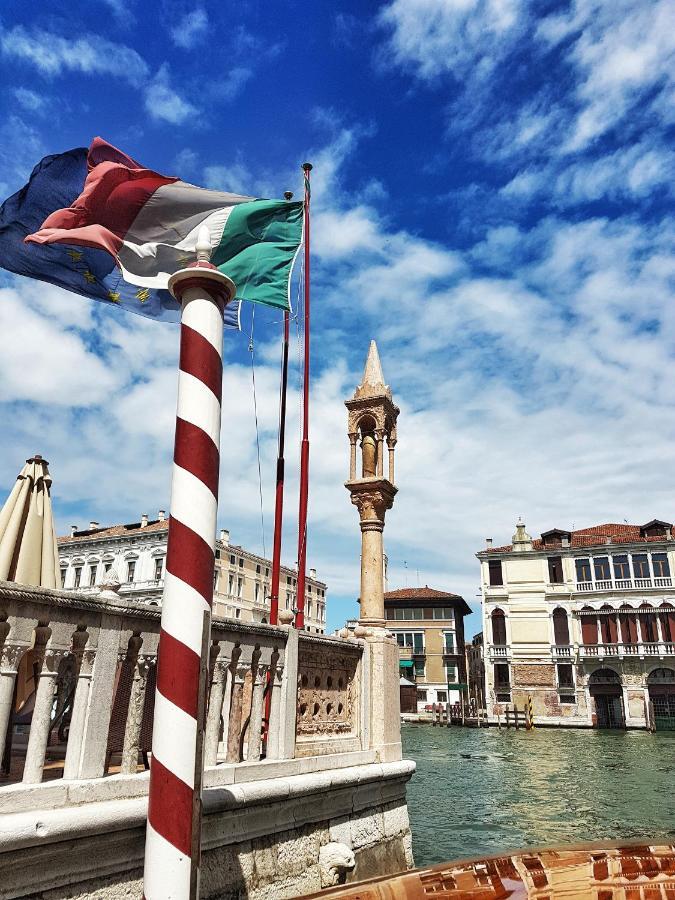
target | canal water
x=481, y=791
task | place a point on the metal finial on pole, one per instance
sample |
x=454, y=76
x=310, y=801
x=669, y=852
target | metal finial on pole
x=203, y=247
x=288, y=195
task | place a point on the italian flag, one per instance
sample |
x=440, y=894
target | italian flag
x=149, y=223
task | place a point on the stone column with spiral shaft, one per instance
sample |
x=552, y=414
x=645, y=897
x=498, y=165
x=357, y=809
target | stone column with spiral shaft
x=172, y=848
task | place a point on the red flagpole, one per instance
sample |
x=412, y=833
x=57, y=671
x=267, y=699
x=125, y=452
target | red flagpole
x=304, y=447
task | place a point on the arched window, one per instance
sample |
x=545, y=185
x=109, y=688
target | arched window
x=561, y=631
x=608, y=628
x=498, y=628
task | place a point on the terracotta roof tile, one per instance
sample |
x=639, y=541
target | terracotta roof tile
x=419, y=594
x=113, y=531
x=594, y=536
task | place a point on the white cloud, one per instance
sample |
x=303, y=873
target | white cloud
x=29, y=100
x=191, y=29
x=234, y=178
x=231, y=85
x=165, y=104
x=90, y=54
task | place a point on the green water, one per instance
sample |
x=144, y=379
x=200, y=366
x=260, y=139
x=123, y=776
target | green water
x=479, y=792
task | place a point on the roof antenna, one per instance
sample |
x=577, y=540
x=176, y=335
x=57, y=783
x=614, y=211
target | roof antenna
x=418, y=577
x=405, y=569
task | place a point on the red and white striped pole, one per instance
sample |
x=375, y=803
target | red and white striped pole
x=172, y=845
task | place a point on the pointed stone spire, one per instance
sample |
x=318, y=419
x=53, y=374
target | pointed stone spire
x=372, y=383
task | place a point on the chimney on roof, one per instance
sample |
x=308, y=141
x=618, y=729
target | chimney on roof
x=93, y=525
x=312, y=573
x=669, y=534
x=73, y=529
x=225, y=537
x=488, y=543
x=144, y=520
x=608, y=539
x=161, y=515
x=565, y=541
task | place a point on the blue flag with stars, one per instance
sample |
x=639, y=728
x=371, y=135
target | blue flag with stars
x=55, y=183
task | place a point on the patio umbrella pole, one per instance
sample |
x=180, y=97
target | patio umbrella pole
x=172, y=848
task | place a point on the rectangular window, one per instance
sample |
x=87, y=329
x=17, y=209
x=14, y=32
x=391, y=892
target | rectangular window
x=411, y=639
x=267, y=573
x=215, y=579
x=442, y=696
x=231, y=559
x=449, y=642
x=257, y=570
x=422, y=696
x=495, y=571
x=555, y=570
x=502, y=677
x=230, y=585
x=601, y=567
x=78, y=576
x=621, y=567
x=418, y=643
x=309, y=607
x=583, y=567
x=565, y=676
x=217, y=553
x=451, y=673
x=240, y=586
x=257, y=593
x=641, y=565
x=241, y=563
x=107, y=567
x=398, y=614
x=419, y=668
x=92, y=575
x=389, y=614
x=64, y=572
x=660, y=565
x=131, y=569
x=159, y=566
x=237, y=613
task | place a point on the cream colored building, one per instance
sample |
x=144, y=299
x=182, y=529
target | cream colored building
x=137, y=554
x=583, y=623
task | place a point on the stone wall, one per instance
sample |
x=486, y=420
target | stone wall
x=253, y=846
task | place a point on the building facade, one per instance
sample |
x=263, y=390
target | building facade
x=583, y=623
x=429, y=628
x=136, y=554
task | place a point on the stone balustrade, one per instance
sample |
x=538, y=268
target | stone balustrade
x=77, y=675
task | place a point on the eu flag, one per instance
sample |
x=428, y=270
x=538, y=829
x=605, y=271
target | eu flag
x=55, y=183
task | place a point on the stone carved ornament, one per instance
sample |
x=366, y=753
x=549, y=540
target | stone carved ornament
x=327, y=692
x=335, y=860
x=372, y=504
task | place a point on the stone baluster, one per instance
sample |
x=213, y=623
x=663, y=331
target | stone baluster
x=255, y=722
x=274, y=727
x=236, y=708
x=42, y=715
x=132, y=731
x=10, y=656
x=219, y=680
x=71, y=768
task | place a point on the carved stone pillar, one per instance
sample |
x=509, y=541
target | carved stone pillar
x=132, y=731
x=255, y=722
x=274, y=727
x=391, y=444
x=379, y=437
x=10, y=656
x=372, y=501
x=71, y=768
x=234, y=729
x=352, y=456
x=212, y=736
x=42, y=715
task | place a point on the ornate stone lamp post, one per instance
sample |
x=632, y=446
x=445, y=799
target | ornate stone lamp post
x=372, y=420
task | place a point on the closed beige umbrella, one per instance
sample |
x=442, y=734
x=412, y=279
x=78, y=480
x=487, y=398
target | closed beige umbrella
x=29, y=553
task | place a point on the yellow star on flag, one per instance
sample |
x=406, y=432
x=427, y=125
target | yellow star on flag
x=114, y=296
x=143, y=294
x=89, y=276
x=75, y=255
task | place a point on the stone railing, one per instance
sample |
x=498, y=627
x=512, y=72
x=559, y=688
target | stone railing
x=77, y=685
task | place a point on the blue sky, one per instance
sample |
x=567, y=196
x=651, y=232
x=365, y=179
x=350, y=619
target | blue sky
x=492, y=202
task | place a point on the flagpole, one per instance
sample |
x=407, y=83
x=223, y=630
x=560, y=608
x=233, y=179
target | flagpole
x=279, y=497
x=304, y=447
x=173, y=833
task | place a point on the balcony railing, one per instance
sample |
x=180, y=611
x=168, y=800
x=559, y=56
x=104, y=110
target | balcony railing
x=660, y=648
x=562, y=650
x=623, y=584
x=498, y=650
